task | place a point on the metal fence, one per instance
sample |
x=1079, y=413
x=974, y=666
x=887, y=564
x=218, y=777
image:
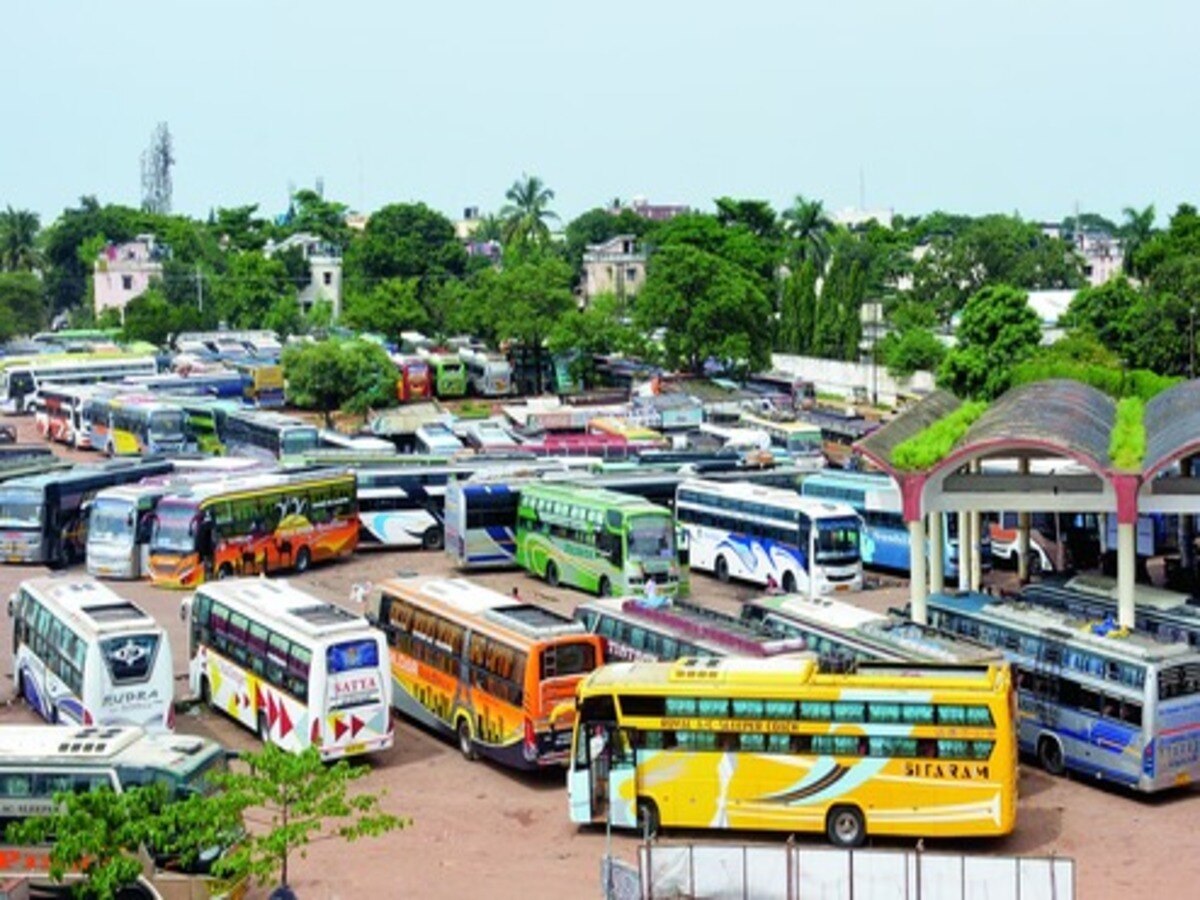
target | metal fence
x=790, y=872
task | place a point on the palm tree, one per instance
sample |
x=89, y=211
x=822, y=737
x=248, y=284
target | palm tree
x=525, y=214
x=18, y=237
x=809, y=229
x=1136, y=230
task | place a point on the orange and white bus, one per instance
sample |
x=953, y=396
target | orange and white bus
x=253, y=524
x=299, y=671
x=484, y=667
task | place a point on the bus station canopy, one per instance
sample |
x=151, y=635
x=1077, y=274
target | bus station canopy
x=1060, y=420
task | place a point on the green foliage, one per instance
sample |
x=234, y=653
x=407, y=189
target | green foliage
x=525, y=300
x=913, y=350
x=1115, y=382
x=284, y=317
x=601, y=327
x=303, y=800
x=331, y=374
x=405, y=240
x=527, y=212
x=313, y=214
x=1105, y=311
x=251, y=286
x=989, y=251
x=734, y=243
x=1127, y=444
x=239, y=229
x=18, y=240
x=390, y=307
x=22, y=304
x=319, y=316
x=109, y=318
x=997, y=330
x=755, y=215
x=934, y=443
x=100, y=834
x=91, y=224
x=808, y=230
x=798, y=310
x=708, y=307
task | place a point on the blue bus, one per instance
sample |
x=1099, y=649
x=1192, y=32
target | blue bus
x=1093, y=698
x=885, y=542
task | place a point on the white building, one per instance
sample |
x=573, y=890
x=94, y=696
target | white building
x=324, y=268
x=123, y=271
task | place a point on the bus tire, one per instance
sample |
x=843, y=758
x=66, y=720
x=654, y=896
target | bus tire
x=224, y=571
x=648, y=822
x=303, y=559
x=721, y=568
x=1050, y=755
x=604, y=589
x=845, y=827
x=789, y=583
x=21, y=685
x=264, y=729
x=466, y=744
x=433, y=539
x=1035, y=564
x=132, y=892
x=552, y=573
x=205, y=691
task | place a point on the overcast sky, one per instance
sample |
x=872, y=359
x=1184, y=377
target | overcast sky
x=964, y=105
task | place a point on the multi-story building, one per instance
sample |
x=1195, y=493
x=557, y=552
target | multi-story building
x=616, y=266
x=324, y=267
x=124, y=271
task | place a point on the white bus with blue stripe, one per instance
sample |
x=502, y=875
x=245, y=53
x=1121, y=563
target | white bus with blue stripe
x=885, y=542
x=84, y=655
x=763, y=534
x=1093, y=698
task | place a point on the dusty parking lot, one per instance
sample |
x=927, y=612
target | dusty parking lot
x=480, y=831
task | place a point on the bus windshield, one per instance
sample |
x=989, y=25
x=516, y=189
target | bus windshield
x=298, y=440
x=20, y=508
x=166, y=424
x=111, y=521
x=174, y=529
x=560, y=660
x=837, y=540
x=651, y=536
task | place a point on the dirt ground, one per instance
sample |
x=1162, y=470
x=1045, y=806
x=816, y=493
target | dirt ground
x=481, y=831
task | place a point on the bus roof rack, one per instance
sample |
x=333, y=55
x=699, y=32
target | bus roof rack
x=533, y=620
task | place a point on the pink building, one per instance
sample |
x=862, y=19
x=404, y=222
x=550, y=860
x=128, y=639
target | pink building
x=123, y=271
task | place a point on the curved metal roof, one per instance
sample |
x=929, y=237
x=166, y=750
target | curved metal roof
x=1172, y=426
x=1058, y=416
x=880, y=443
x=1061, y=416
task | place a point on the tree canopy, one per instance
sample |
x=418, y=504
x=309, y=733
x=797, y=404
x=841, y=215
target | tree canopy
x=998, y=330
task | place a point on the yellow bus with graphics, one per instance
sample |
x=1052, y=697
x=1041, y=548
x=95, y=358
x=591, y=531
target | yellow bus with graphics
x=776, y=744
x=484, y=667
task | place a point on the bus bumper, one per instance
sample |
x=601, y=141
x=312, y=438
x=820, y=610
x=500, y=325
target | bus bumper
x=20, y=546
x=358, y=748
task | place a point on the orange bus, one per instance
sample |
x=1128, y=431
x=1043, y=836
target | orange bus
x=253, y=524
x=484, y=667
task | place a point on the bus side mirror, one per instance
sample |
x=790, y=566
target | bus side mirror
x=12, y=605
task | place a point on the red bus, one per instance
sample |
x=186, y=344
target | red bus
x=414, y=381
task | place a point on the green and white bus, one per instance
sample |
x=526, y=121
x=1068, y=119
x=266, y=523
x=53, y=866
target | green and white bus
x=597, y=540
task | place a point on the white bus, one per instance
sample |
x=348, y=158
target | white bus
x=801, y=440
x=758, y=534
x=83, y=654
x=437, y=439
x=39, y=761
x=487, y=375
x=299, y=671
x=21, y=379
x=268, y=435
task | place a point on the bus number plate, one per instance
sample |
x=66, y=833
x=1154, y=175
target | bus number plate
x=352, y=749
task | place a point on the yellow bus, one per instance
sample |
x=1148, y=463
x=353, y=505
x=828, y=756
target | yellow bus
x=484, y=667
x=776, y=744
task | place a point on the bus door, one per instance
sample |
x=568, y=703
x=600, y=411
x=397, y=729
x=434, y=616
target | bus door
x=606, y=759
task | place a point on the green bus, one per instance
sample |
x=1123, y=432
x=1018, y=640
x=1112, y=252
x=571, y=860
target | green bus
x=206, y=421
x=449, y=375
x=597, y=540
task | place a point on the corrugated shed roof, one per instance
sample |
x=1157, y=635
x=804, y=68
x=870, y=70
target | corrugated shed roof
x=1066, y=414
x=1172, y=425
x=880, y=443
